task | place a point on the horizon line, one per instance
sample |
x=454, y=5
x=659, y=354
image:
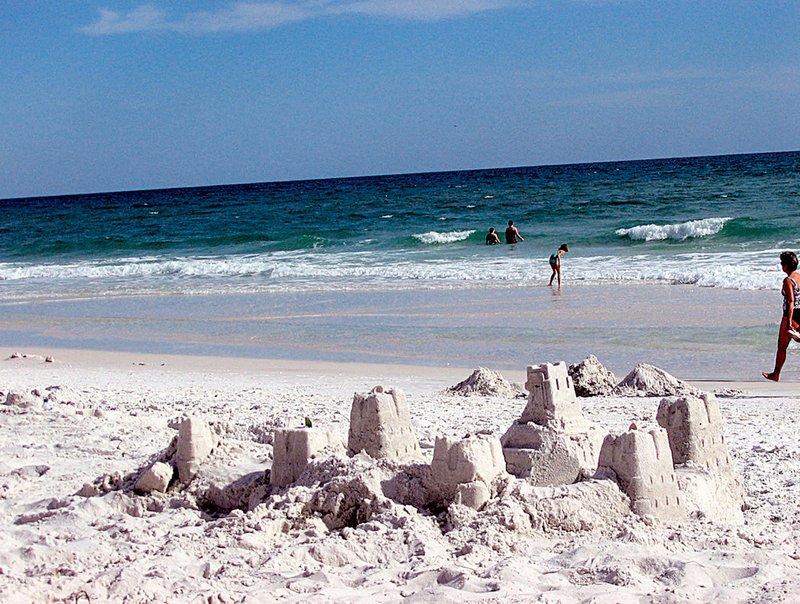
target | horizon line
x=392, y=174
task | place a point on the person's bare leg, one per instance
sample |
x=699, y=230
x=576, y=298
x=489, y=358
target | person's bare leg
x=558, y=270
x=553, y=276
x=780, y=355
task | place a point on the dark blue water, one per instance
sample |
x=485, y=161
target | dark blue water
x=710, y=221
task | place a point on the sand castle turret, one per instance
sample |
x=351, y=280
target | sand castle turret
x=195, y=443
x=464, y=469
x=551, y=443
x=694, y=426
x=551, y=398
x=292, y=449
x=380, y=425
x=704, y=469
x=642, y=464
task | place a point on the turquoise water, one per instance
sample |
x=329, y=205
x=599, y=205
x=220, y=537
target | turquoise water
x=711, y=221
x=672, y=262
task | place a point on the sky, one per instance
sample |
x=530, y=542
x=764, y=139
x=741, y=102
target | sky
x=108, y=95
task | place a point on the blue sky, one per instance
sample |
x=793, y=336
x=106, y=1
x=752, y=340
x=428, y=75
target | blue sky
x=114, y=95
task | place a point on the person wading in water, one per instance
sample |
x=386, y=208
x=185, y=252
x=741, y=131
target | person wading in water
x=512, y=234
x=555, y=263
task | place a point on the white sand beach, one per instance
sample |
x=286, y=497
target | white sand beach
x=100, y=417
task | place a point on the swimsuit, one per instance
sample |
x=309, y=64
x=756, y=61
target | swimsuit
x=555, y=260
x=796, y=311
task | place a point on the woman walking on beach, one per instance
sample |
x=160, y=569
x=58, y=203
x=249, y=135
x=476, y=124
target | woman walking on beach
x=791, y=313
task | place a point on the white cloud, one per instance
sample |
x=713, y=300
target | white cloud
x=143, y=18
x=422, y=10
x=251, y=16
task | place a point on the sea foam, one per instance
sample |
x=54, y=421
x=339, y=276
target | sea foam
x=293, y=270
x=434, y=237
x=678, y=232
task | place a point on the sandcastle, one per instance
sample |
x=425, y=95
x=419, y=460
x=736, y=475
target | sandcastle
x=293, y=449
x=551, y=442
x=380, y=425
x=195, y=443
x=641, y=462
x=704, y=470
x=679, y=468
x=682, y=467
x=464, y=469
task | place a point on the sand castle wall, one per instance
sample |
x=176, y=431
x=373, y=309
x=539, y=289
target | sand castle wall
x=642, y=463
x=292, y=449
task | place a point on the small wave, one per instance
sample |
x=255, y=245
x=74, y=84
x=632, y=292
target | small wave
x=677, y=232
x=434, y=237
x=287, y=270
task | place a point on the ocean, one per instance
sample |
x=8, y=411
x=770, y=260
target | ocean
x=101, y=270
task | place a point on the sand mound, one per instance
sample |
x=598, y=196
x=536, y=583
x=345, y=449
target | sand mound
x=648, y=380
x=591, y=378
x=486, y=382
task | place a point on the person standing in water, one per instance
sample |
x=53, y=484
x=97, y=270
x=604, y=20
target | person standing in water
x=555, y=263
x=492, y=238
x=791, y=313
x=512, y=234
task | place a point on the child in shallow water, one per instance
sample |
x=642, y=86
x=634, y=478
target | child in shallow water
x=555, y=263
x=791, y=313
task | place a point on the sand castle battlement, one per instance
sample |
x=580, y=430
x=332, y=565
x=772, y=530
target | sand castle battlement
x=551, y=398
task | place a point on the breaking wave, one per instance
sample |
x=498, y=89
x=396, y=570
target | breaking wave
x=288, y=271
x=676, y=232
x=434, y=237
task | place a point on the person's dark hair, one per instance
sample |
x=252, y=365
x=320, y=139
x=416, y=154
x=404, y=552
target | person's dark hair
x=510, y=222
x=789, y=260
x=564, y=247
x=491, y=229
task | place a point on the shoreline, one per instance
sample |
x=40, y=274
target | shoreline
x=405, y=376
x=692, y=332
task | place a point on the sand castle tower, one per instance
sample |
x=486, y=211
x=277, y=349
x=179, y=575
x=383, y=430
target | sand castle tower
x=292, y=449
x=551, y=442
x=706, y=475
x=642, y=463
x=380, y=425
x=195, y=443
x=464, y=469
